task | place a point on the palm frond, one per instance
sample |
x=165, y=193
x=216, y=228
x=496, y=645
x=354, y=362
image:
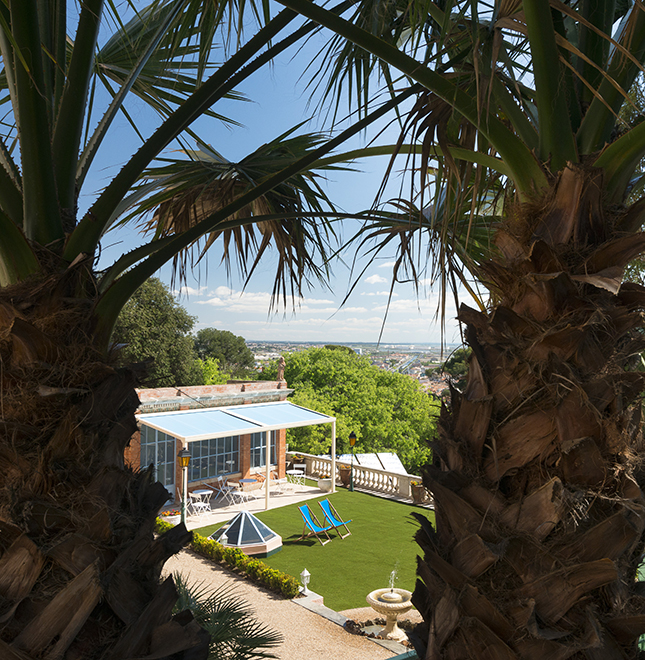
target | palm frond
x=174, y=71
x=190, y=190
x=234, y=631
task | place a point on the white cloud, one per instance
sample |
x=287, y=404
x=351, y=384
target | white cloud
x=225, y=291
x=378, y=293
x=413, y=329
x=387, y=264
x=190, y=291
x=399, y=306
x=354, y=310
x=250, y=302
x=375, y=279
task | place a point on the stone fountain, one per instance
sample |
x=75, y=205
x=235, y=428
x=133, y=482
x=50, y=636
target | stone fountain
x=391, y=602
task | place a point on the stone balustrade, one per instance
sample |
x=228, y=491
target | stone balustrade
x=370, y=479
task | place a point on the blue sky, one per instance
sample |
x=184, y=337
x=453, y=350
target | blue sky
x=278, y=100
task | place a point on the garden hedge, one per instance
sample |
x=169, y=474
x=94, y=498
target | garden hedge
x=257, y=570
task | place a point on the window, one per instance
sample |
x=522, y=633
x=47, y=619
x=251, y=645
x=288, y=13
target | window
x=212, y=457
x=259, y=448
x=158, y=449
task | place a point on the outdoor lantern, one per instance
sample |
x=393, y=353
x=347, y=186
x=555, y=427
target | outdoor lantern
x=183, y=458
x=304, y=578
x=352, y=442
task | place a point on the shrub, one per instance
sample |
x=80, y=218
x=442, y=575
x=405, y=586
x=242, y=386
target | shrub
x=289, y=586
x=254, y=568
x=207, y=547
x=162, y=526
x=235, y=558
x=271, y=578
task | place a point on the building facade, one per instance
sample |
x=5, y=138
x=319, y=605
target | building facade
x=210, y=422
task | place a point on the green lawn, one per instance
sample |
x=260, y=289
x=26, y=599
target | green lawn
x=346, y=570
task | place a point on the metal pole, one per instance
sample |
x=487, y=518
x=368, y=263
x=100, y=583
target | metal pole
x=352, y=442
x=184, y=492
x=333, y=456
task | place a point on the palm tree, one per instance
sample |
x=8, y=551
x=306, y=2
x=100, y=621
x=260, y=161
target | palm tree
x=79, y=565
x=234, y=633
x=537, y=473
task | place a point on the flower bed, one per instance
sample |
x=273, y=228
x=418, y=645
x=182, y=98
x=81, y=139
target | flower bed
x=257, y=570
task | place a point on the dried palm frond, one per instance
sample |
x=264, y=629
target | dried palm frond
x=292, y=218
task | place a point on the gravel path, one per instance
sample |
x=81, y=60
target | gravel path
x=307, y=636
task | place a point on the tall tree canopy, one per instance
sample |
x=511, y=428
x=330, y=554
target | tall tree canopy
x=154, y=327
x=388, y=411
x=230, y=350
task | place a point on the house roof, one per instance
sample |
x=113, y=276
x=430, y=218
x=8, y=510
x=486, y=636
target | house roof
x=191, y=425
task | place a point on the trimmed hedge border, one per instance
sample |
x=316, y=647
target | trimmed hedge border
x=257, y=570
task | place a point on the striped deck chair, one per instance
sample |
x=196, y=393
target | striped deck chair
x=312, y=526
x=332, y=517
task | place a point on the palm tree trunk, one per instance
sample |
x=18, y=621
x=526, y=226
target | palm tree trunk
x=537, y=474
x=79, y=565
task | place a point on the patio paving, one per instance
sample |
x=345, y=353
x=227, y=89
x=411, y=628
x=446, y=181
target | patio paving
x=221, y=512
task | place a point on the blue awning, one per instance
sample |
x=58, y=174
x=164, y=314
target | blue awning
x=200, y=424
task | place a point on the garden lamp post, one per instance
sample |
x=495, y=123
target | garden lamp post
x=352, y=442
x=183, y=457
x=305, y=576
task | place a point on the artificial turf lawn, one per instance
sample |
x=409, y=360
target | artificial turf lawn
x=345, y=570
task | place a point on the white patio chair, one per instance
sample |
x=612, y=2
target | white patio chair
x=253, y=490
x=278, y=485
x=224, y=490
x=239, y=495
x=297, y=475
x=197, y=505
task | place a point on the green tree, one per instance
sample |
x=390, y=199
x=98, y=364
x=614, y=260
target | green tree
x=211, y=372
x=228, y=349
x=387, y=411
x=537, y=467
x=457, y=363
x=338, y=347
x=153, y=327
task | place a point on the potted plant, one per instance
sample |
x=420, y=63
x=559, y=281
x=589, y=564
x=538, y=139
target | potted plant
x=324, y=483
x=296, y=460
x=171, y=516
x=418, y=492
x=345, y=472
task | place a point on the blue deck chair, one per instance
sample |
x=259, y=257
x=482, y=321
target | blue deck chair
x=312, y=526
x=332, y=517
